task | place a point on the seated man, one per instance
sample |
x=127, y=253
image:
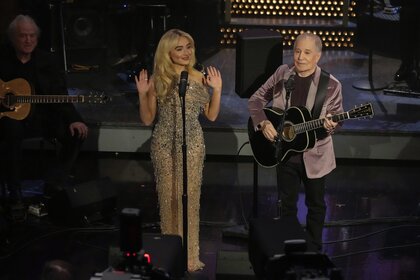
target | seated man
x=22, y=59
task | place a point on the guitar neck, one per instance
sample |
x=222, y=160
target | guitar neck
x=48, y=99
x=315, y=124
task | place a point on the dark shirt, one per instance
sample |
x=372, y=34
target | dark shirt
x=17, y=69
x=300, y=93
x=298, y=98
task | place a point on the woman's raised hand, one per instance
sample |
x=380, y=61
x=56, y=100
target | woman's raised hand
x=142, y=83
x=214, y=78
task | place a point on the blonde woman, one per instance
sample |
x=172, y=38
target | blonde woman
x=160, y=100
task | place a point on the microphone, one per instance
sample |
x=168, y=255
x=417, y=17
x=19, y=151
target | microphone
x=183, y=83
x=290, y=83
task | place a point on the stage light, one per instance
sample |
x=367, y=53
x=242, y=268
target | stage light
x=148, y=258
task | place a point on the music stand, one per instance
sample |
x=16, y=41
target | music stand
x=369, y=84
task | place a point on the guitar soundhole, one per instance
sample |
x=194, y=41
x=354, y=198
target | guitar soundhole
x=289, y=133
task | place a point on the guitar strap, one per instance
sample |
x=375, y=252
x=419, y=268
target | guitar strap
x=319, y=100
x=320, y=94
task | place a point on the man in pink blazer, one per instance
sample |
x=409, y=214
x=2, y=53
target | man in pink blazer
x=300, y=86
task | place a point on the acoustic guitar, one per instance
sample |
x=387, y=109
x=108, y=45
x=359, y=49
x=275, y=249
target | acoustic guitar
x=16, y=99
x=298, y=133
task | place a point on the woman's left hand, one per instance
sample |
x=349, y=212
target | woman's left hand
x=214, y=78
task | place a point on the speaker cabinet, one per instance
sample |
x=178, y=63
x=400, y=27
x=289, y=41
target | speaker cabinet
x=266, y=239
x=85, y=35
x=84, y=27
x=258, y=54
x=82, y=203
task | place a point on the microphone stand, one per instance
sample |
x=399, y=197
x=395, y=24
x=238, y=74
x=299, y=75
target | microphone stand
x=185, y=184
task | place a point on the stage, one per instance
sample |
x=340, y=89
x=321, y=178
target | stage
x=371, y=198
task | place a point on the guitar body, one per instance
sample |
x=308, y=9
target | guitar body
x=262, y=149
x=296, y=142
x=265, y=151
x=17, y=87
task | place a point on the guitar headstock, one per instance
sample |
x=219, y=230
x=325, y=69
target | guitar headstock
x=362, y=111
x=96, y=98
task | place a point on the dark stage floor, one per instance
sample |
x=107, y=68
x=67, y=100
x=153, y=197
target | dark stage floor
x=372, y=229
x=372, y=226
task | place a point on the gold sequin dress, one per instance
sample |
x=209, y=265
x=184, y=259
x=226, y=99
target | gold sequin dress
x=166, y=155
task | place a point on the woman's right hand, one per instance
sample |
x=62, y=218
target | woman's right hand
x=142, y=83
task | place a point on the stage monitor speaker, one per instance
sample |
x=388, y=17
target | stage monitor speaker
x=267, y=237
x=82, y=203
x=259, y=53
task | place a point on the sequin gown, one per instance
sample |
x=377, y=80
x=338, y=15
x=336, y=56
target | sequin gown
x=166, y=155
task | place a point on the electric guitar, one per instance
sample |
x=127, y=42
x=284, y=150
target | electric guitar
x=16, y=99
x=298, y=133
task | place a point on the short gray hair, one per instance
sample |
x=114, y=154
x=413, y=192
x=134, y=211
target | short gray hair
x=312, y=36
x=11, y=30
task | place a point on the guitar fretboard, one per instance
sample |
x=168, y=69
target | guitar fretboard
x=48, y=99
x=314, y=124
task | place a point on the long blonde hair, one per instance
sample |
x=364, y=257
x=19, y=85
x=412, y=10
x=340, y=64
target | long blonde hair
x=164, y=70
